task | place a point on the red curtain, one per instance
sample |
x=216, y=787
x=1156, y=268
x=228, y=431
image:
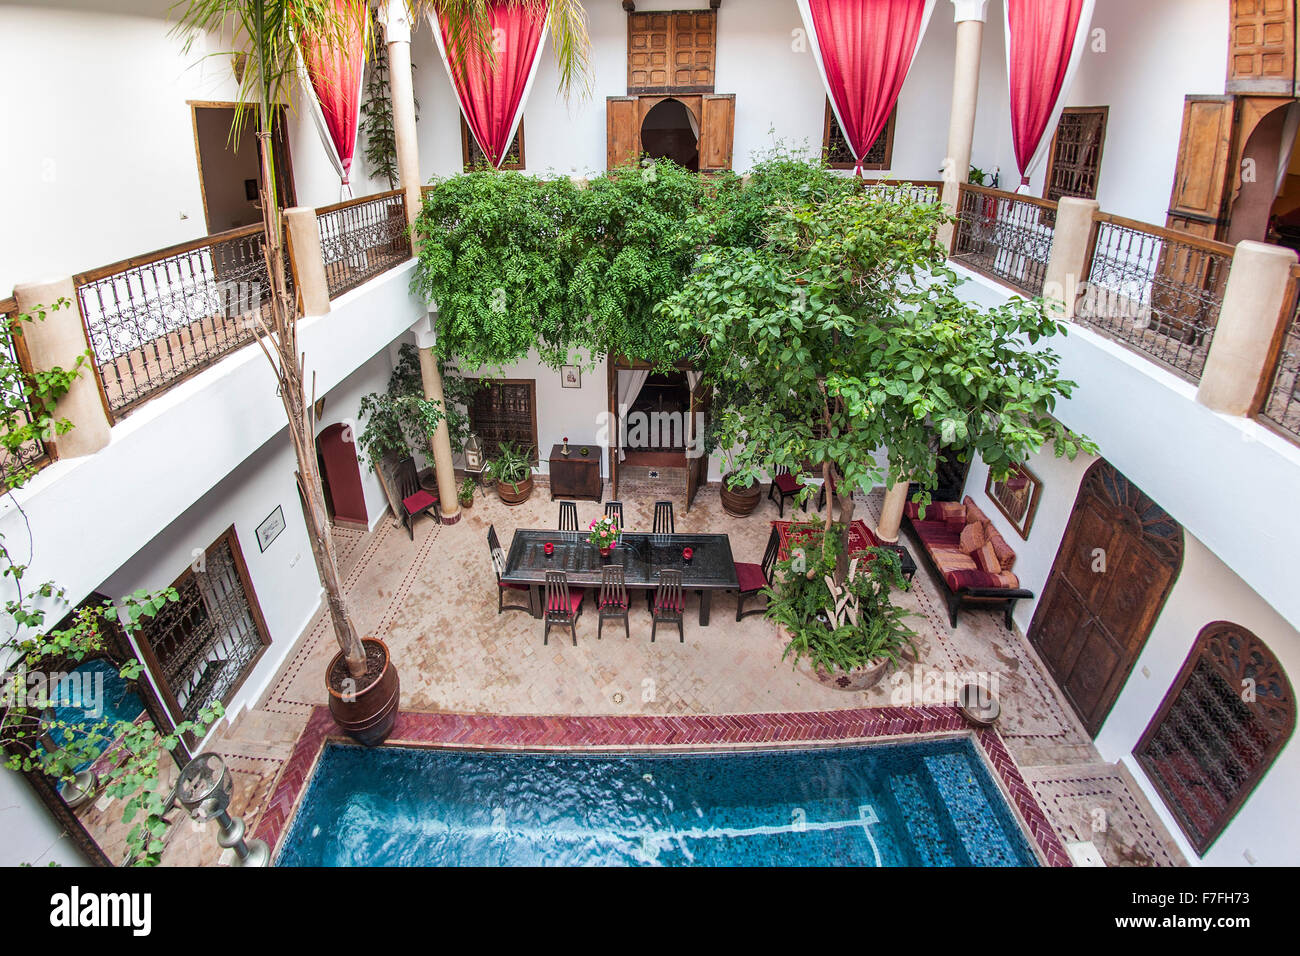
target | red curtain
x=866, y=49
x=1041, y=39
x=335, y=75
x=491, y=98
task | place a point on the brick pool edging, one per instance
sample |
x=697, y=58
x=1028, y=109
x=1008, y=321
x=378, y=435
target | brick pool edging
x=643, y=731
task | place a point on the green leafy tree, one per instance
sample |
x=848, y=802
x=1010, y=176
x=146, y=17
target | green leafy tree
x=401, y=420
x=846, y=328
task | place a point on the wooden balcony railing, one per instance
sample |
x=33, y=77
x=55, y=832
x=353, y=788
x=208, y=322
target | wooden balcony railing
x=1158, y=291
x=361, y=238
x=1281, y=401
x=156, y=319
x=33, y=455
x=1004, y=236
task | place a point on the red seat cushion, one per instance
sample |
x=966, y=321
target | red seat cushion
x=575, y=602
x=750, y=577
x=513, y=587
x=622, y=604
x=417, y=502
x=787, y=484
x=667, y=605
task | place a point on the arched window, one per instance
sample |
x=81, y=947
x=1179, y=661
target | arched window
x=1221, y=725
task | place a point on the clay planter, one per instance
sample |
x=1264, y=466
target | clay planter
x=467, y=502
x=860, y=678
x=508, y=495
x=740, y=504
x=367, y=715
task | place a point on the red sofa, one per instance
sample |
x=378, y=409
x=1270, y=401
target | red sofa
x=968, y=555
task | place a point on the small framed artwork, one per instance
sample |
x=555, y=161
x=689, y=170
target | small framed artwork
x=571, y=376
x=1017, y=497
x=270, y=528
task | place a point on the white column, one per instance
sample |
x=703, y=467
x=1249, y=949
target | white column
x=1067, y=264
x=440, y=444
x=308, y=262
x=57, y=342
x=396, y=19
x=891, y=512
x=1248, y=322
x=969, y=16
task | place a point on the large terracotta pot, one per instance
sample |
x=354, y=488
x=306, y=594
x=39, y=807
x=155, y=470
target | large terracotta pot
x=740, y=503
x=508, y=495
x=860, y=678
x=367, y=716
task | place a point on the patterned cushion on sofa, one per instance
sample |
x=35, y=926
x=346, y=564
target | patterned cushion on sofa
x=985, y=559
x=952, y=560
x=973, y=512
x=1006, y=556
x=972, y=537
x=936, y=535
x=975, y=578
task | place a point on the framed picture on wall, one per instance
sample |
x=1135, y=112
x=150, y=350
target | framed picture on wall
x=1017, y=497
x=571, y=376
x=270, y=528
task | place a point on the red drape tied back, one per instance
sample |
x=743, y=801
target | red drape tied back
x=1041, y=45
x=335, y=66
x=492, y=95
x=866, y=48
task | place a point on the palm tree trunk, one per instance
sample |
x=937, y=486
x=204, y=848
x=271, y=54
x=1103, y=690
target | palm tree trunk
x=288, y=363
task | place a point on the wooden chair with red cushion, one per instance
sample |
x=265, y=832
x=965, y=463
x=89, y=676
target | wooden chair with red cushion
x=415, y=500
x=563, y=607
x=669, y=603
x=613, y=601
x=499, y=565
x=753, y=578
x=784, y=485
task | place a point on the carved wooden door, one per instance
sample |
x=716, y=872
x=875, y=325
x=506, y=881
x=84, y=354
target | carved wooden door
x=1119, y=557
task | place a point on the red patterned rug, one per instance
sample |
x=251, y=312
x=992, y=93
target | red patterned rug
x=860, y=536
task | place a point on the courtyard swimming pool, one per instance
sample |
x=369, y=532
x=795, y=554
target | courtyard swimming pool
x=931, y=803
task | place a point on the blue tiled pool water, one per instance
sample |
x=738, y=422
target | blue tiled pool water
x=931, y=803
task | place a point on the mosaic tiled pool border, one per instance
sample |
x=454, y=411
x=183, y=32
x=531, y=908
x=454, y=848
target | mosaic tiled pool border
x=489, y=731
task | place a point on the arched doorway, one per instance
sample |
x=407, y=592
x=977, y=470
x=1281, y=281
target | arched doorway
x=1116, y=565
x=341, y=477
x=671, y=131
x=1218, y=730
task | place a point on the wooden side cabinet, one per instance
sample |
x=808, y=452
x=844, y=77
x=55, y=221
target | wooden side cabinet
x=575, y=475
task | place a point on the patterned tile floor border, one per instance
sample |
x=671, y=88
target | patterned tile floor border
x=683, y=732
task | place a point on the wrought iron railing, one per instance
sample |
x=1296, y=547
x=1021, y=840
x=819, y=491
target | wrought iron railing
x=156, y=319
x=1004, y=236
x=925, y=191
x=361, y=238
x=1281, y=406
x=1158, y=291
x=31, y=455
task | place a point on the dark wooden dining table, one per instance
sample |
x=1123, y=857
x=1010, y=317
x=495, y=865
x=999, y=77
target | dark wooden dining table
x=642, y=557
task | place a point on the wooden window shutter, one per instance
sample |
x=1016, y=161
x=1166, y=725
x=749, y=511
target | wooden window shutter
x=622, y=132
x=717, y=129
x=671, y=51
x=1261, y=47
x=1203, y=176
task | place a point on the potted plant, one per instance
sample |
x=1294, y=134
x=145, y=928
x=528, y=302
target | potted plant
x=466, y=493
x=844, y=635
x=512, y=469
x=604, y=534
x=741, y=491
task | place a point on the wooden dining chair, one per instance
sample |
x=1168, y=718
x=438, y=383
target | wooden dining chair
x=568, y=516
x=663, y=523
x=614, y=509
x=415, y=499
x=669, y=604
x=753, y=578
x=499, y=565
x=563, y=607
x=784, y=485
x=613, y=600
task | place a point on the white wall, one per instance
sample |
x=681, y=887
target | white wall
x=31, y=834
x=1156, y=52
x=102, y=140
x=1191, y=461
